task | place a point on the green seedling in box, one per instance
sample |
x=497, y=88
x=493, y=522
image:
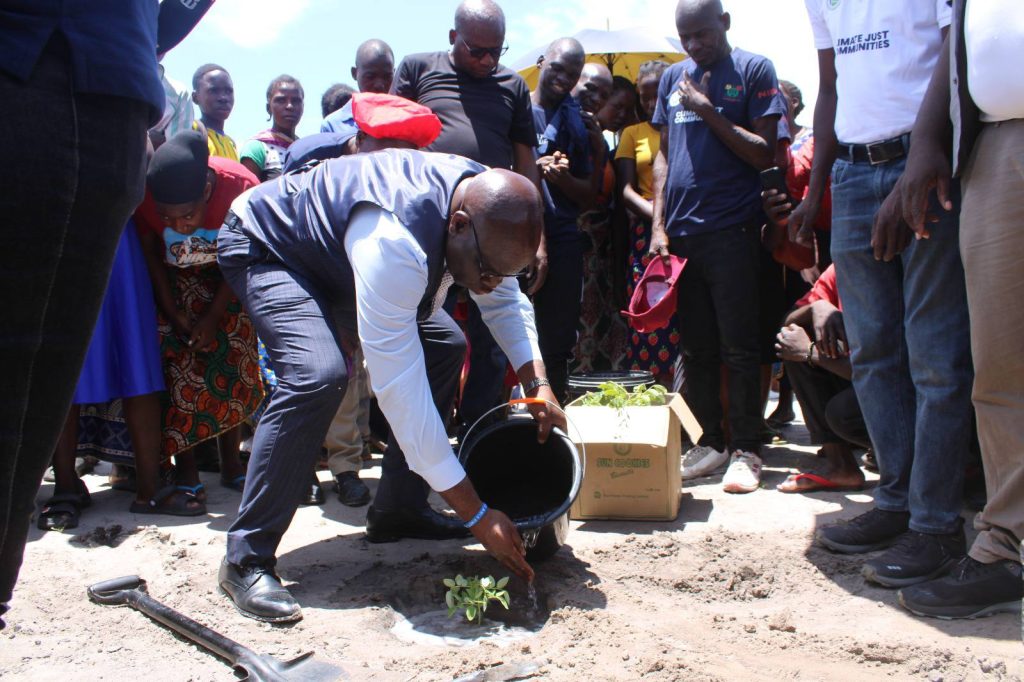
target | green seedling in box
x=615, y=395
x=472, y=595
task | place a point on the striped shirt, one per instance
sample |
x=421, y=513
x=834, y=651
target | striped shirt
x=220, y=144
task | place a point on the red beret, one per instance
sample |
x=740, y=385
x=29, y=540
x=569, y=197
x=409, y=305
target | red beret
x=392, y=117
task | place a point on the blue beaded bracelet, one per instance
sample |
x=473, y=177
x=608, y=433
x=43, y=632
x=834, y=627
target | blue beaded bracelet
x=479, y=515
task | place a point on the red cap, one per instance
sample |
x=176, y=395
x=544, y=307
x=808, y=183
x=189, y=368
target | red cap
x=654, y=299
x=392, y=117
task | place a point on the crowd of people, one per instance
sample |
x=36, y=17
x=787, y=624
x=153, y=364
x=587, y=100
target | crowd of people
x=265, y=298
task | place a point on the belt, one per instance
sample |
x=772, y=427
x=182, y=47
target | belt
x=875, y=153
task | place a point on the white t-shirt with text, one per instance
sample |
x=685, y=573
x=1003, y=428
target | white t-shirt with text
x=886, y=51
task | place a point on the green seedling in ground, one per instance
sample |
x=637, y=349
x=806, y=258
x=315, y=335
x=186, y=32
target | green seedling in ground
x=472, y=595
x=613, y=394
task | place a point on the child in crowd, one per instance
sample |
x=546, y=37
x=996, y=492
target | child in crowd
x=263, y=153
x=214, y=94
x=207, y=342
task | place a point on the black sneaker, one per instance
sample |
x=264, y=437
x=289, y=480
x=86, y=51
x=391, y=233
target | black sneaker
x=871, y=530
x=352, y=492
x=915, y=558
x=971, y=590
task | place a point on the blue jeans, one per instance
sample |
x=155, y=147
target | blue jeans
x=908, y=329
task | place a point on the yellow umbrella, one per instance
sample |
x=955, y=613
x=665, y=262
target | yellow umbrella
x=622, y=51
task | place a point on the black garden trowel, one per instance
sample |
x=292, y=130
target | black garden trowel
x=131, y=591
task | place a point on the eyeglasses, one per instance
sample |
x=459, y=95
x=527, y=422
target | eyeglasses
x=486, y=273
x=479, y=52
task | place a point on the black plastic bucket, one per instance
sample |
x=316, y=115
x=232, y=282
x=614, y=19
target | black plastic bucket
x=533, y=483
x=583, y=383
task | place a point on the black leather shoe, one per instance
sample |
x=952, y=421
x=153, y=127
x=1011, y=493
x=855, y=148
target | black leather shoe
x=257, y=592
x=315, y=494
x=425, y=524
x=352, y=492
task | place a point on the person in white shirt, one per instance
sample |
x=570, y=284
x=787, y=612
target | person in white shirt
x=904, y=301
x=369, y=244
x=987, y=144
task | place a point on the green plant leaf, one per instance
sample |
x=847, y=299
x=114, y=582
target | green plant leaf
x=470, y=612
x=502, y=582
x=460, y=581
x=502, y=598
x=448, y=582
x=449, y=599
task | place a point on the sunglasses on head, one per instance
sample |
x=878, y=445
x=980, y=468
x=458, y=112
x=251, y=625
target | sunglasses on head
x=485, y=272
x=480, y=52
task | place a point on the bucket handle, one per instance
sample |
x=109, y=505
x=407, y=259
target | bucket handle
x=530, y=401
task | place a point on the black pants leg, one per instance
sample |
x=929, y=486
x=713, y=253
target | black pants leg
x=814, y=388
x=557, y=307
x=718, y=319
x=75, y=176
x=444, y=350
x=846, y=420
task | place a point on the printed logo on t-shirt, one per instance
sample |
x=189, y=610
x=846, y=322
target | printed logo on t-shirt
x=733, y=92
x=687, y=116
x=674, y=99
x=832, y=4
x=863, y=42
x=183, y=251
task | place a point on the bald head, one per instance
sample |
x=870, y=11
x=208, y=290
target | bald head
x=690, y=9
x=560, y=69
x=375, y=66
x=702, y=25
x=494, y=229
x=372, y=49
x=569, y=48
x=478, y=39
x=594, y=87
x=472, y=15
x=507, y=208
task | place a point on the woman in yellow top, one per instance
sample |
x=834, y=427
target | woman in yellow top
x=214, y=94
x=634, y=169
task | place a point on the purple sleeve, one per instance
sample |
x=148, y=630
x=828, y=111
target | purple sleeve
x=764, y=88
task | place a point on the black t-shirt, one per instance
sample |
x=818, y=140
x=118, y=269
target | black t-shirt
x=481, y=118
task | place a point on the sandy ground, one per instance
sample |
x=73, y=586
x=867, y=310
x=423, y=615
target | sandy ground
x=733, y=590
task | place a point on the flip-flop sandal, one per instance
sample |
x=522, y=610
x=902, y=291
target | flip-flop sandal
x=167, y=501
x=197, y=491
x=237, y=483
x=820, y=483
x=60, y=512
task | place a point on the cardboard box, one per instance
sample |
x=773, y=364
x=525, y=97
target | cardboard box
x=632, y=468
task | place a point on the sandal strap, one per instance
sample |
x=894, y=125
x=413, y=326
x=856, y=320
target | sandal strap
x=194, y=490
x=74, y=499
x=166, y=492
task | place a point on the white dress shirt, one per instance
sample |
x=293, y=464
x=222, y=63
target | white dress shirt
x=391, y=279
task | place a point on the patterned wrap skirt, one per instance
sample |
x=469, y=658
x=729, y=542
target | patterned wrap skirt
x=210, y=391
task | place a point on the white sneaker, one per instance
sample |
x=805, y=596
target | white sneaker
x=701, y=460
x=743, y=474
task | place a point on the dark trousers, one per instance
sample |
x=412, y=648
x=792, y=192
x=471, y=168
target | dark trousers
x=73, y=177
x=718, y=324
x=487, y=364
x=557, y=307
x=829, y=405
x=301, y=325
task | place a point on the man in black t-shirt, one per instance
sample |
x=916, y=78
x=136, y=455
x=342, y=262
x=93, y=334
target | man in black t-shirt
x=486, y=116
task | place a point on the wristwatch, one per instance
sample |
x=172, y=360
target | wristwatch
x=534, y=384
